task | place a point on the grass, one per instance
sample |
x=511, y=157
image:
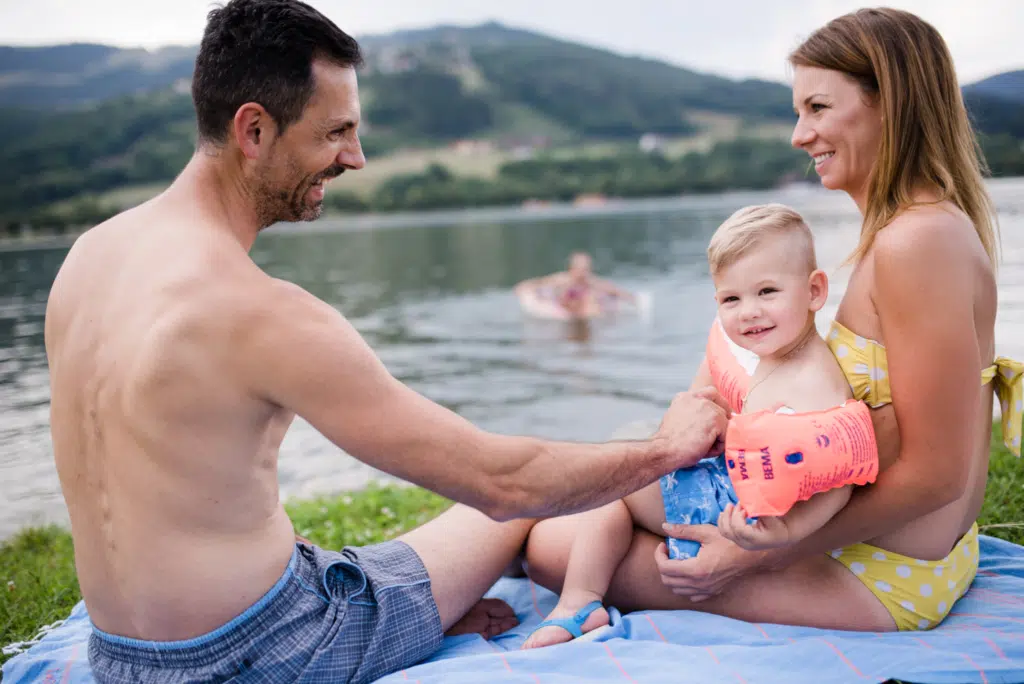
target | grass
x=37, y=575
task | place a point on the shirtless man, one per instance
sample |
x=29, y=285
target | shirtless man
x=177, y=366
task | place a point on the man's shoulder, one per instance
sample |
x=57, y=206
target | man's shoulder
x=264, y=313
x=247, y=302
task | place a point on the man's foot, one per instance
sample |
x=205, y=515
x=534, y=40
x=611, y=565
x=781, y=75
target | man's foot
x=582, y=613
x=488, y=618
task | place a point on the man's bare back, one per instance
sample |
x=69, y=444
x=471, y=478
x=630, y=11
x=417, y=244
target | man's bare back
x=167, y=461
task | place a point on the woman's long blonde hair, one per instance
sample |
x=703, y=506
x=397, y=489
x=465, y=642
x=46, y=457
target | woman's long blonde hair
x=903, y=63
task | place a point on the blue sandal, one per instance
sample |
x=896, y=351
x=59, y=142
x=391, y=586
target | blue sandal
x=573, y=625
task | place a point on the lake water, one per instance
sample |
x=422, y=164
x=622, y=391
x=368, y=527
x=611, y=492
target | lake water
x=432, y=295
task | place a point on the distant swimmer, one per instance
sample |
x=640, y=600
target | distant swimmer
x=573, y=294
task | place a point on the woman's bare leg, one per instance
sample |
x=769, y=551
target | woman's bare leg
x=817, y=592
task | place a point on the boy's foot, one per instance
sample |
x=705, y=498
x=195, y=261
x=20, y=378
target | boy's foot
x=569, y=620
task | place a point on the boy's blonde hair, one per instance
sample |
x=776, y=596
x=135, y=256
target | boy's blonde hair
x=748, y=227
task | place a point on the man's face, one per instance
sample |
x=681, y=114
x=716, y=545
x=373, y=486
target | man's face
x=320, y=146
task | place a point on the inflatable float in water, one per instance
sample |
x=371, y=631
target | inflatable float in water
x=542, y=302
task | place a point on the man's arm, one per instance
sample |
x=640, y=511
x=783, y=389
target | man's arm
x=301, y=354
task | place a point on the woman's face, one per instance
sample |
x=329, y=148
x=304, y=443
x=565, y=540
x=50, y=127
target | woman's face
x=838, y=126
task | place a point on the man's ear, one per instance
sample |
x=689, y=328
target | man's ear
x=253, y=129
x=818, y=284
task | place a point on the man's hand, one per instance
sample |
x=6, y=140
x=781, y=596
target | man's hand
x=767, y=532
x=693, y=427
x=718, y=563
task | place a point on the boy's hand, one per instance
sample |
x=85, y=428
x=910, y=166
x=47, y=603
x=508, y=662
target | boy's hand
x=768, y=532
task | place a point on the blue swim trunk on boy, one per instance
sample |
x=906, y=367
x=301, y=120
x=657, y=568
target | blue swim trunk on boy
x=695, y=496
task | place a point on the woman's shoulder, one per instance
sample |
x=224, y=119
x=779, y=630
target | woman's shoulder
x=926, y=222
x=933, y=235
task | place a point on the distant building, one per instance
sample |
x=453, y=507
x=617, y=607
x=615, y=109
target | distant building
x=469, y=147
x=524, y=147
x=590, y=199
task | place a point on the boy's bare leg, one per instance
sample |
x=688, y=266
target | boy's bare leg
x=647, y=507
x=465, y=553
x=816, y=592
x=603, y=539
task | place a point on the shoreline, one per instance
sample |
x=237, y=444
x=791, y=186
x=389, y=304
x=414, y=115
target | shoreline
x=332, y=221
x=373, y=220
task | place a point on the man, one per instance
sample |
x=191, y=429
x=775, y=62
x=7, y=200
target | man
x=177, y=366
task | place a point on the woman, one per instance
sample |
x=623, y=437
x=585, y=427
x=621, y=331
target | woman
x=880, y=112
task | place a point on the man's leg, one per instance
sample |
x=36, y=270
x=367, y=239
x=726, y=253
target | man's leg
x=465, y=553
x=817, y=592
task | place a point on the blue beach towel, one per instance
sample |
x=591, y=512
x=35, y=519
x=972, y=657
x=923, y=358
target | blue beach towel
x=982, y=641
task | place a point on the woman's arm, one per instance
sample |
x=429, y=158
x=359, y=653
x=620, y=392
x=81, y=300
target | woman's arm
x=540, y=281
x=612, y=289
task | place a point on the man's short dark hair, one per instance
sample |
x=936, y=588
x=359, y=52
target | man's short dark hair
x=263, y=51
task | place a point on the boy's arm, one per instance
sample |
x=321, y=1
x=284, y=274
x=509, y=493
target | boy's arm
x=806, y=517
x=769, y=532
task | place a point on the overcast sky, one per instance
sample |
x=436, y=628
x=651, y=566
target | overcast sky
x=738, y=38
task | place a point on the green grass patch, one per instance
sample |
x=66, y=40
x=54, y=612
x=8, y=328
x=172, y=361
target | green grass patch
x=372, y=515
x=37, y=582
x=1002, y=514
x=37, y=573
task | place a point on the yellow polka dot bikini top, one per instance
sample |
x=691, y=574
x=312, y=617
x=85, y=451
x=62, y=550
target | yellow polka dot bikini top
x=867, y=370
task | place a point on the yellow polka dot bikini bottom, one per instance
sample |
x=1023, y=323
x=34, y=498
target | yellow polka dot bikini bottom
x=918, y=594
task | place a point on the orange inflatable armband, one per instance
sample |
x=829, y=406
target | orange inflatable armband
x=730, y=365
x=775, y=460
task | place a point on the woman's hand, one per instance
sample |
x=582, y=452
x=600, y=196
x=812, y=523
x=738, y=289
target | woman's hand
x=716, y=566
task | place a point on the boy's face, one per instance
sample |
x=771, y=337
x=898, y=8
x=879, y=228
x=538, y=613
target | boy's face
x=766, y=297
